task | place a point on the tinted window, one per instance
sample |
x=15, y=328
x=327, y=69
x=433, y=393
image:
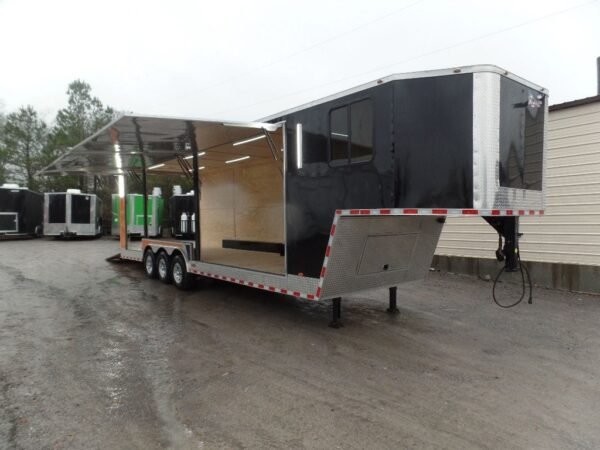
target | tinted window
x=57, y=208
x=351, y=133
x=339, y=135
x=361, y=121
x=521, y=136
x=80, y=209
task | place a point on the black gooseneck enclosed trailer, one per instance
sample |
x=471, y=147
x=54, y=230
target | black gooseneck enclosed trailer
x=21, y=211
x=343, y=194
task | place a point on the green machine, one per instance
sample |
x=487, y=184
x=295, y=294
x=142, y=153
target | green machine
x=134, y=211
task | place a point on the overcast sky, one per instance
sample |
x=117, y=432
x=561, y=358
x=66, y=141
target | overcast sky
x=248, y=59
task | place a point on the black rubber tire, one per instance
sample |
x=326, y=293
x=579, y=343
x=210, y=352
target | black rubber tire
x=163, y=268
x=182, y=279
x=149, y=262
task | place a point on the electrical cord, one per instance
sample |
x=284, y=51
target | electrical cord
x=524, y=272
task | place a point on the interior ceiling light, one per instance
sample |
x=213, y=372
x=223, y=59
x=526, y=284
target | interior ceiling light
x=191, y=156
x=155, y=167
x=252, y=139
x=237, y=159
x=199, y=168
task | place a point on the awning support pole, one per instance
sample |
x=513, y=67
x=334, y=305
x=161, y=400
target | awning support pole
x=185, y=167
x=138, y=135
x=122, y=217
x=272, y=147
x=271, y=144
x=196, y=184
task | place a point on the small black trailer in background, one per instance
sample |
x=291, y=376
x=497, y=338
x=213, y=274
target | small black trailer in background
x=344, y=194
x=21, y=211
x=72, y=213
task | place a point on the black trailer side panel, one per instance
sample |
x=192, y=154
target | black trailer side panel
x=434, y=141
x=9, y=200
x=362, y=179
x=28, y=207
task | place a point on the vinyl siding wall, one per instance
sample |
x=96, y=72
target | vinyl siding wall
x=569, y=231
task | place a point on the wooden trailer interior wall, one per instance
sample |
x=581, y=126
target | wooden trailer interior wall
x=243, y=201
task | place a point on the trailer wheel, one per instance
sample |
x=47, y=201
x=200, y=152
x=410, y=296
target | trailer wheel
x=150, y=264
x=182, y=279
x=163, y=265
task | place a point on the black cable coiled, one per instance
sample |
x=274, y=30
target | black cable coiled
x=524, y=272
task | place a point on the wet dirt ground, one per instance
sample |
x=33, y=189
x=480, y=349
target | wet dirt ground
x=94, y=355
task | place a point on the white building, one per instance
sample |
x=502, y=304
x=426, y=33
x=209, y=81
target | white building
x=568, y=234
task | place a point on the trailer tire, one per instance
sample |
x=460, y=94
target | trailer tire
x=150, y=264
x=163, y=268
x=182, y=279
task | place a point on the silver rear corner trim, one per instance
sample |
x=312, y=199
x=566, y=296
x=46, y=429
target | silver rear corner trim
x=486, y=138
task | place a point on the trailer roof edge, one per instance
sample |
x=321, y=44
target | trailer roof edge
x=406, y=76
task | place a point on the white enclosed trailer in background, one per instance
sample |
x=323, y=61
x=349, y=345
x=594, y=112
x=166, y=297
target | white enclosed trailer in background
x=72, y=213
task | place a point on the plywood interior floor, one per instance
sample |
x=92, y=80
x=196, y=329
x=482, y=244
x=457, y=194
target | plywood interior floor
x=261, y=261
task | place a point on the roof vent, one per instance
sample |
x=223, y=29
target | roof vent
x=10, y=186
x=73, y=191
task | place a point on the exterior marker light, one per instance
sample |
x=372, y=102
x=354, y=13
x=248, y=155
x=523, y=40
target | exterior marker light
x=299, y=145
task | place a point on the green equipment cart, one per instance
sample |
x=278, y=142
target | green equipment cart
x=134, y=211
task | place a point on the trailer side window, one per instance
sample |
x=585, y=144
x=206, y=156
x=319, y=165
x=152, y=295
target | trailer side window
x=351, y=133
x=339, y=135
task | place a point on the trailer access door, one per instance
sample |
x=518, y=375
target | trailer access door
x=9, y=222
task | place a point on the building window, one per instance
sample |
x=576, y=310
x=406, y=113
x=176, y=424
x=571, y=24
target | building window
x=351, y=133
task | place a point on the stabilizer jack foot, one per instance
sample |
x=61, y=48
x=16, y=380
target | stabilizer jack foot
x=393, y=308
x=336, y=313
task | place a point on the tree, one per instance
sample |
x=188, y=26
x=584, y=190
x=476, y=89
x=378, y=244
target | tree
x=3, y=152
x=83, y=116
x=24, y=137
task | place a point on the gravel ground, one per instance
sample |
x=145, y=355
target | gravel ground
x=94, y=355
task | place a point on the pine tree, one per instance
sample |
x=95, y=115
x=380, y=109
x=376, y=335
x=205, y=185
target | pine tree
x=24, y=137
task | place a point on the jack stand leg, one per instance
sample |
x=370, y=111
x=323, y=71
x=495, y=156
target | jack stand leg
x=336, y=313
x=393, y=309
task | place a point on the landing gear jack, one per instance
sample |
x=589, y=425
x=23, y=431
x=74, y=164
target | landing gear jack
x=393, y=308
x=336, y=313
